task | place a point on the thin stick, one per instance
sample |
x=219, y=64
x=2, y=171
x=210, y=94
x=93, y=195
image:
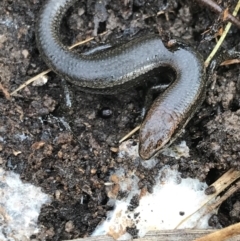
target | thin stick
x=230, y=61
x=161, y=235
x=226, y=195
x=219, y=201
x=130, y=134
x=211, y=55
x=30, y=81
x=86, y=41
x=222, y=234
x=222, y=183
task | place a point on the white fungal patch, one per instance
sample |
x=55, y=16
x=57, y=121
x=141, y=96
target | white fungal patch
x=20, y=205
x=173, y=199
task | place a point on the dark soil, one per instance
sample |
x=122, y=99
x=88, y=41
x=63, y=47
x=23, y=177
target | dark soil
x=67, y=150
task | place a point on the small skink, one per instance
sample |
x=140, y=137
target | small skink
x=127, y=65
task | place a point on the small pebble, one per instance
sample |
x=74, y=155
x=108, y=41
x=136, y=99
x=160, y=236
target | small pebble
x=69, y=226
x=210, y=190
x=25, y=53
x=105, y=113
x=114, y=149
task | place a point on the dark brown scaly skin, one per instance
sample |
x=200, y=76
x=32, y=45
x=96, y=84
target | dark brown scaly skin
x=125, y=66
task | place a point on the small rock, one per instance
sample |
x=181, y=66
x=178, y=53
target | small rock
x=25, y=53
x=114, y=149
x=69, y=226
x=57, y=194
x=40, y=81
x=114, y=178
x=3, y=38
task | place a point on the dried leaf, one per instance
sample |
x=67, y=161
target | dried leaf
x=230, y=61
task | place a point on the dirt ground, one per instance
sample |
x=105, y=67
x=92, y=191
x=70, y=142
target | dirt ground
x=66, y=150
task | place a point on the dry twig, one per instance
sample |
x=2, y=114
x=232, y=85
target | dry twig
x=222, y=234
